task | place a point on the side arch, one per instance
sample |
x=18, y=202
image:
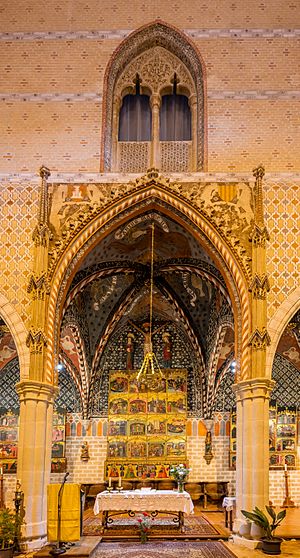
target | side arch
x=153, y=195
x=157, y=33
x=19, y=333
x=278, y=323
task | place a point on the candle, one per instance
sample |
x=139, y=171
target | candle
x=285, y=467
x=109, y=482
x=120, y=482
x=1, y=471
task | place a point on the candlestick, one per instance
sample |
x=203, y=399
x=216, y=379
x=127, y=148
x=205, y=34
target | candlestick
x=120, y=482
x=287, y=502
x=1, y=471
x=109, y=482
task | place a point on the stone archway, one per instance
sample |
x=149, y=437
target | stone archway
x=278, y=323
x=246, y=283
x=152, y=190
x=19, y=333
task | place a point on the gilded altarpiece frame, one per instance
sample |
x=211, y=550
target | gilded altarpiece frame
x=146, y=424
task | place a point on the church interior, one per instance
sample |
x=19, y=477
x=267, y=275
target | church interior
x=149, y=281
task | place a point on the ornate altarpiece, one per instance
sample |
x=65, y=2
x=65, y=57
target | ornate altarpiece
x=146, y=424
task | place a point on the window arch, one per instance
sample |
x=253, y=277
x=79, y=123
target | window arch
x=157, y=53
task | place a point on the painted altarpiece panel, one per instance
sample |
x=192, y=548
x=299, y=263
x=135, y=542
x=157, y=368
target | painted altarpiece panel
x=146, y=424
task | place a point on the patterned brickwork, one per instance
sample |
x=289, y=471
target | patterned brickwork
x=64, y=135
x=18, y=218
x=117, y=15
x=282, y=212
x=51, y=102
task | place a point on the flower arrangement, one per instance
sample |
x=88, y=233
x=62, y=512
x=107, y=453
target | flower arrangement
x=144, y=525
x=180, y=474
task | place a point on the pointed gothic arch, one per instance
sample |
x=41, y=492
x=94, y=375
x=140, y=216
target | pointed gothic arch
x=19, y=333
x=155, y=34
x=155, y=193
x=278, y=323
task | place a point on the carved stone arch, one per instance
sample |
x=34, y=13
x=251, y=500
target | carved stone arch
x=154, y=194
x=278, y=323
x=155, y=34
x=19, y=333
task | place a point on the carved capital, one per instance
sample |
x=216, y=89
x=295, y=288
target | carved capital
x=253, y=388
x=155, y=101
x=259, y=235
x=31, y=390
x=260, y=340
x=38, y=286
x=36, y=340
x=259, y=286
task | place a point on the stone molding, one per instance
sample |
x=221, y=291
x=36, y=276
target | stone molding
x=112, y=34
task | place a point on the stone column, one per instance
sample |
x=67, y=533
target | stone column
x=34, y=457
x=115, y=133
x=252, y=468
x=155, y=151
x=37, y=392
x=194, y=108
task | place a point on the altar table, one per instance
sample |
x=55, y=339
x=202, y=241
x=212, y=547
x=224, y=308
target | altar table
x=155, y=501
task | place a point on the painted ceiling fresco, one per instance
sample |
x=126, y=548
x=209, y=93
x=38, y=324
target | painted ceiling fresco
x=109, y=299
x=107, y=312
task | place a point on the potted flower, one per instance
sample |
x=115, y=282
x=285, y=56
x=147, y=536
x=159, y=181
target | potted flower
x=180, y=474
x=270, y=543
x=144, y=525
x=10, y=524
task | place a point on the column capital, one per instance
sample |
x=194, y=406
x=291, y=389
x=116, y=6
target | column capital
x=155, y=100
x=253, y=388
x=36, y=391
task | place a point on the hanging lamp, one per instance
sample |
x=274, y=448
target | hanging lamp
x=150, y=367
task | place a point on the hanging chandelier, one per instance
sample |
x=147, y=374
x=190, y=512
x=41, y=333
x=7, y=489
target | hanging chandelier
x=150, y=367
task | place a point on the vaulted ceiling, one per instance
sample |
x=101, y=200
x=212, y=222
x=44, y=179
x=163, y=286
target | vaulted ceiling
x=112, y=285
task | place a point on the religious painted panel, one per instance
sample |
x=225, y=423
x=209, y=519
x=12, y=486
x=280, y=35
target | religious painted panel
x=146, y=424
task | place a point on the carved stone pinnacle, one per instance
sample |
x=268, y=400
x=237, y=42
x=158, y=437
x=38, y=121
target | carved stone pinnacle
x=44, y=172
x=259, y=172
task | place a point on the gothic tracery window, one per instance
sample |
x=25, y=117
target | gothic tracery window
x=154, y=110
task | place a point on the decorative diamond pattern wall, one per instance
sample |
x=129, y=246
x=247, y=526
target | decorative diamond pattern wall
x=9, y=377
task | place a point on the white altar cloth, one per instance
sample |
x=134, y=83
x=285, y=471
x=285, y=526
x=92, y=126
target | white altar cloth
x=137, y=500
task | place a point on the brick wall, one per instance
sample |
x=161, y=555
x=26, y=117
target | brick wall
x=53, y=70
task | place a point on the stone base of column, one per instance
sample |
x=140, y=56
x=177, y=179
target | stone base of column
x=248, y=543
x=33, y=545
x=34, y=536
